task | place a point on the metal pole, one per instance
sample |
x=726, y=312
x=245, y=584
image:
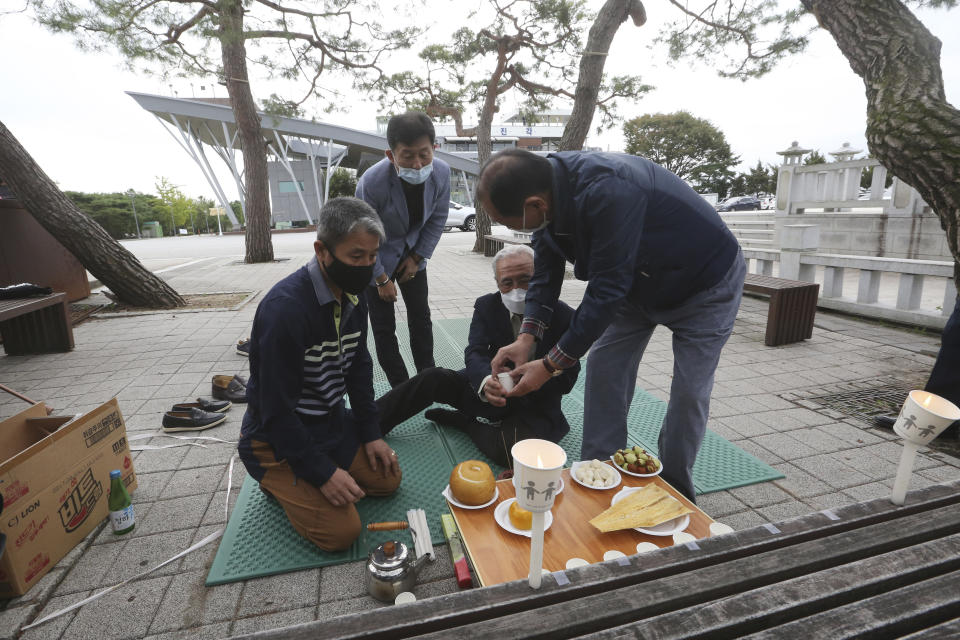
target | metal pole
x=133, y=205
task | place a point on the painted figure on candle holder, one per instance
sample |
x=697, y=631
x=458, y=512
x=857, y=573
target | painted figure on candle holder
x=908, y=423
x=548, y=491
x=927, y=430
x=531, y=490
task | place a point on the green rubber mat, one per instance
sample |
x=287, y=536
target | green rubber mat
x=259, y=541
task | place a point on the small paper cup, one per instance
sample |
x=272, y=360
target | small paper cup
x=505, y=381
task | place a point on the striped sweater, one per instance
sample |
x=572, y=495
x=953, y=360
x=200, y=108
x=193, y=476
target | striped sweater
x=306, y=352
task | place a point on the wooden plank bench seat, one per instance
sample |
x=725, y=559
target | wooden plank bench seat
x=863, y=570
x=493, y=243
x=36, y=325
x=793, y=305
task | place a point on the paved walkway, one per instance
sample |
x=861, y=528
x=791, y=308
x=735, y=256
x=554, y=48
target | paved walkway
x=765, y=400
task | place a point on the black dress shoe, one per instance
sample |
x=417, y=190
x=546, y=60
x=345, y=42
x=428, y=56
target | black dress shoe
x=229, y=388
x=217, y=406
x=192, y=420
x=884, y=422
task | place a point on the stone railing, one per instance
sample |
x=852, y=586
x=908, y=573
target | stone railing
x=890, y=222
x=799, y=259
x=752, y=229
x=835, y=186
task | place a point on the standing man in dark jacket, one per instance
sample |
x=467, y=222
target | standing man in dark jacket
x=410, y=191
x=474, y=392
x=653, y=252
x=308, y=348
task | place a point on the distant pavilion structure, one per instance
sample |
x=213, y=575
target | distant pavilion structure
x=301, y=148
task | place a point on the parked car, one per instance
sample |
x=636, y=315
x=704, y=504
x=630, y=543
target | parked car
x=740, y=203
x=464, y=218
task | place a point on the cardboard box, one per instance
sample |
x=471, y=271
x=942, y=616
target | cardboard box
x=55, y=481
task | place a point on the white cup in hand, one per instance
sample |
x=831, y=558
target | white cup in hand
x=505, y=381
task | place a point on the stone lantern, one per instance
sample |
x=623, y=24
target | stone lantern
x=793, y=153
x=844, y=153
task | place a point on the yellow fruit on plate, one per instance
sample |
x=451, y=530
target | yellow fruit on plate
x=472, y=483
x=520, y=518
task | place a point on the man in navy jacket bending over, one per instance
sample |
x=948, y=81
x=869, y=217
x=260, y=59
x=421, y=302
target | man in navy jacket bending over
x=653, y=252
x=308, y=349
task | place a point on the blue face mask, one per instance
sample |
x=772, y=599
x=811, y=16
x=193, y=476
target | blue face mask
x=415, y=176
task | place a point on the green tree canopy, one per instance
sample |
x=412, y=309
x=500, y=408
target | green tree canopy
x=815, y=157
x=343, y=182
x=760, y=179
x=114, y=211
x=690, y=147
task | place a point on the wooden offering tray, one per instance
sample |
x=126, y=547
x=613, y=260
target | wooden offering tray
x=500, y=556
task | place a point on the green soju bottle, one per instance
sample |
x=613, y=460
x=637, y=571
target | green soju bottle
x=121, y=511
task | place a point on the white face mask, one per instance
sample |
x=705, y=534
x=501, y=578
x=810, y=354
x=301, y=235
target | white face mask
x=524, y=228
x=415, y=176
x=514, y=300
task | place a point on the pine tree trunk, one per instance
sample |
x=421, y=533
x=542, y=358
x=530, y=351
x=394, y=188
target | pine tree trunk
x=100, y=254
x=485, y=144
x=605, y=26
x=911, y=128
x=484, y=151
x=234, y=54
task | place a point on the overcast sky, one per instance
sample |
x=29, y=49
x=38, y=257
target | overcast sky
x=69, y=109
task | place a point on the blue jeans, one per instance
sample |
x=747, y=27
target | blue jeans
x=701, y=326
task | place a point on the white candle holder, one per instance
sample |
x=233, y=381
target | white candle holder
x=923, y=417
x=537, y=465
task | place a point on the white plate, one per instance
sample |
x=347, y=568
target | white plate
x=449, y=496
x=667, y=528
x=502, y=515
x=573, y=469
x=639, y=475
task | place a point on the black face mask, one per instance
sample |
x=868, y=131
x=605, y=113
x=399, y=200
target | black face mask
x=350, y=278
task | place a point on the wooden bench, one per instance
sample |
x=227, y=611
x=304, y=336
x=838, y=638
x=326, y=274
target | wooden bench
x=36, y=325
x=865, y=570
x=492, y=244
x=793, y=305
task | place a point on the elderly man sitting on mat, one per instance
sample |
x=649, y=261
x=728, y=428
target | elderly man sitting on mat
x=308, y=349
x=494, y=423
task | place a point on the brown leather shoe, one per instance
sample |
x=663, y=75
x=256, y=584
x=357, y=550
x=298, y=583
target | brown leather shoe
x=229, y=388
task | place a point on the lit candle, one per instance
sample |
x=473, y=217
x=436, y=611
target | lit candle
x=537, y=465
x=923, y=417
